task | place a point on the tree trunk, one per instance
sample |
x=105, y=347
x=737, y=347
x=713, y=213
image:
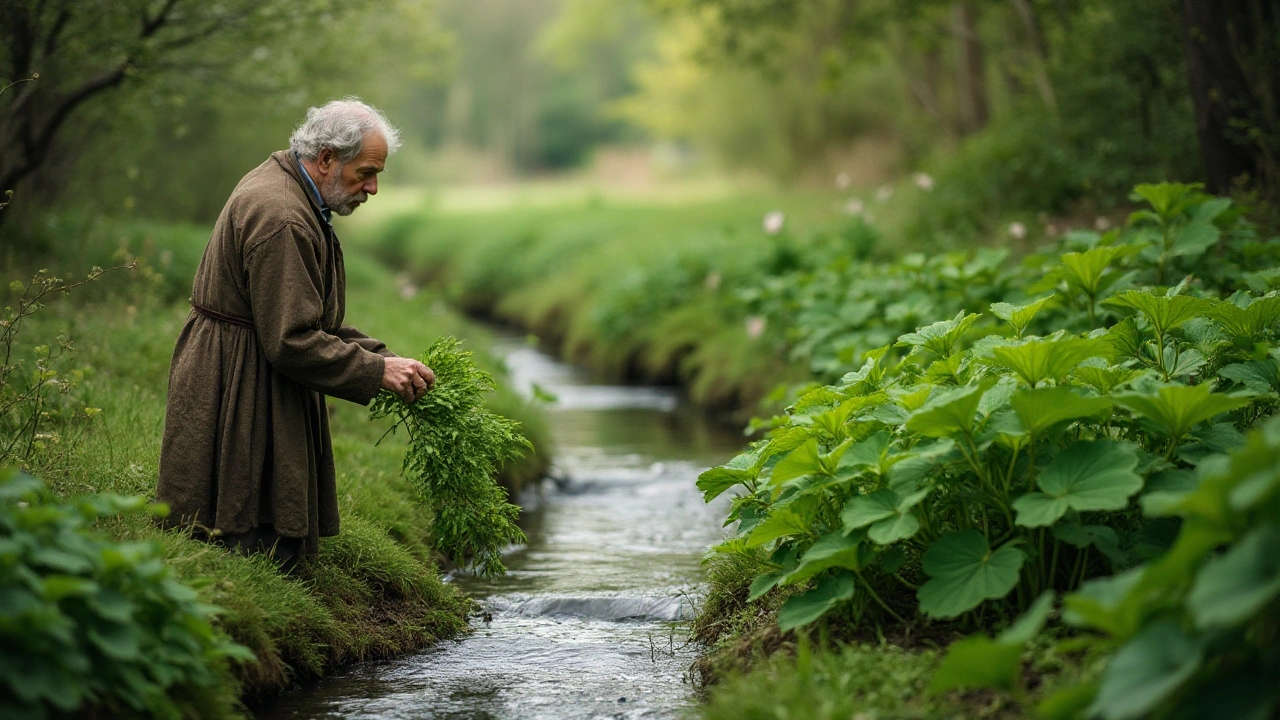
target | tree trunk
x=1232, y=48
x=971, y=76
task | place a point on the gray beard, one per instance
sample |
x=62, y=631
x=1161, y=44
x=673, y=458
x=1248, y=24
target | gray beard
x=340, y=202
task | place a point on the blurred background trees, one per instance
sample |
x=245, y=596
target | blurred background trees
x=157, y=107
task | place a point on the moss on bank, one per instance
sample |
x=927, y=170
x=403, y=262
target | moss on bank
x=375, y=590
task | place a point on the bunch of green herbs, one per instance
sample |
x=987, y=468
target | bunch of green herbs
x=456, y=446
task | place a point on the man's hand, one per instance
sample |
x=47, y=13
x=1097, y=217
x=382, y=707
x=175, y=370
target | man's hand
x=407, y=378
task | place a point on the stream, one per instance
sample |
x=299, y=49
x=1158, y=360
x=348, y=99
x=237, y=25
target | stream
x=585, y=624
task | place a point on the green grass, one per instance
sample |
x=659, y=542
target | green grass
x=626, y=286
x=375, y=590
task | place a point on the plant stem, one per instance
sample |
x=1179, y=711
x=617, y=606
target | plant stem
x=878, y=599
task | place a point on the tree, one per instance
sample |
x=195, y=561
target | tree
x=1233, y=65
x=79, y=50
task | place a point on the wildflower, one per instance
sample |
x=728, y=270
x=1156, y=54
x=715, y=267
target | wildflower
x=1017, y=230
x=1102, y=224
x=924, y=181
x=843, y=181
x=884, y=193
x=713, y=281
x=773, y=222
x=408, y=291
x=853, y=207
x=755, y=326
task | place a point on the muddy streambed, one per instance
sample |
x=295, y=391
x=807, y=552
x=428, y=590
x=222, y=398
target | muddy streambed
x=585, y=623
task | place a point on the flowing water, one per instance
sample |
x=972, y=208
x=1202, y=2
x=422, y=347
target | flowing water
x=585, y=623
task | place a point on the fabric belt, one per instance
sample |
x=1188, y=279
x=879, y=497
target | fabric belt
x=214, y=314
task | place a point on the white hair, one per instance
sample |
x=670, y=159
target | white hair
x=341, y=125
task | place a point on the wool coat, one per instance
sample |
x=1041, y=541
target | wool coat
x=246, y=436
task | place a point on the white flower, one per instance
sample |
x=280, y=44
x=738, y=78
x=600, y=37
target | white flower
x=843, y=181
x=884, y=193
x=755, y=326
x=854, y=207
x=924, y=181
x=713, y=280
x=1017, y=230
x=773, y=222
x=1102, y=224
x=408, y=291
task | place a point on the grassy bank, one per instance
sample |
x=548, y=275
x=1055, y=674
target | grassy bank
x=375, y=590
x=971, y=438
x=638, y=288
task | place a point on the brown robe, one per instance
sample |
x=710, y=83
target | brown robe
x=246, y=437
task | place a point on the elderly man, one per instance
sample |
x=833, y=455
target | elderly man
x=246, y=456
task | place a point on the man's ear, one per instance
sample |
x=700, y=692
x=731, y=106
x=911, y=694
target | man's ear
x=324, y=159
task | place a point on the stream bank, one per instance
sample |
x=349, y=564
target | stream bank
x=585, y=623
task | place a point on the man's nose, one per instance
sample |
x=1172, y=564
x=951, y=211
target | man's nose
x=371, y=187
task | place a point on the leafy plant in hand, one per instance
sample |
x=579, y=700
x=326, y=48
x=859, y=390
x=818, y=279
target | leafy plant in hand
x=456, y=446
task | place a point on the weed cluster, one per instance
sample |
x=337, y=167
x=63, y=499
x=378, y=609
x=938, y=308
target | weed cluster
x=456, y=447
x=983, y=463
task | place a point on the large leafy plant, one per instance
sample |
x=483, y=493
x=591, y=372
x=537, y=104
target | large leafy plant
x=1190, y=634
x=89, y=624
x=456, y=447
x=983, y=460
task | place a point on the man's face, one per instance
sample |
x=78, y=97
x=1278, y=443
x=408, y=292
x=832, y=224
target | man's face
x=346, y=186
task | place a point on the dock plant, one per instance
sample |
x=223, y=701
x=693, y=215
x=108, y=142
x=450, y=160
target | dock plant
x=456, y=447
x=970, y=466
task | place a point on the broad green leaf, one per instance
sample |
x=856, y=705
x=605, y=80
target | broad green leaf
x=1019, y=316
x=1164, y=313
x=1257, y=376
x=1107, y=604
x=1126, y=340
x=951, y=412
x=804, y=460
x=940, y=338
x=1092, y=475
x=1038, y=360
x=57, y=587
x=1068, y=703
x=1235, y=586
x=803, y=609
x=1087, y=271
x=715, y=481
x=887, y=514
x=1194, y=238
x=1175, y=409
x=1104, y=380
x=1210, y=209
x=891, y=530
x=1029, y=625
x=764, y=583
x=1182, y=363
x=863, y=510
x=912, y=468
x=117, y=641
x=1039, y=409
x=868, y=452
x=781, y=523
x=1167, y=199
x=978, y=662
x=1246, y=322
x=964, y=571
x=831, y=550
x=1146, y=671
